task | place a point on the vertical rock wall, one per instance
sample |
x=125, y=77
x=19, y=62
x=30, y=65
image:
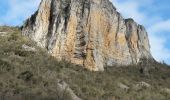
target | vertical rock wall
x=87, y=32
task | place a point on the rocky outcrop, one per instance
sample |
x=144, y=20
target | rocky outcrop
x=64, y=90
x=28, y=48
x=138, y=41
x=87, y=32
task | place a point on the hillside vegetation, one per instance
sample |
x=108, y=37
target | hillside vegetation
x=28, y=72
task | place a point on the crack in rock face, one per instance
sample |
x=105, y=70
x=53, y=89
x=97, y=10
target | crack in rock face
x=87, y=32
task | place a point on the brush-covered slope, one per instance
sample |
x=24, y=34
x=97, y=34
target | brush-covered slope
x=88, y=32
x=29, y=73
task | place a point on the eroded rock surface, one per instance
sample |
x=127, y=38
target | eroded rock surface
x=87, y=32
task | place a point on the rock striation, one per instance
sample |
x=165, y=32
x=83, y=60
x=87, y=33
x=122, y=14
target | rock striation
x=87, y=32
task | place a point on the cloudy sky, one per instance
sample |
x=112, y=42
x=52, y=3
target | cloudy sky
x=153, y=14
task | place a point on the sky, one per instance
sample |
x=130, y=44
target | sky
x=153, y=14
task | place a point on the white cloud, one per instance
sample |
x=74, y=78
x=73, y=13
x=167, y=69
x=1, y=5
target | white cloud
x=160, y=26
x=18, y=11
x=161, y=53
x=130, y=10
x=159, y=40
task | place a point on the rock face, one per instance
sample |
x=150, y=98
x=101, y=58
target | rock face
x=87, y=32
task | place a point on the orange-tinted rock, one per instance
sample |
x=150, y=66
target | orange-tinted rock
x=87, y=32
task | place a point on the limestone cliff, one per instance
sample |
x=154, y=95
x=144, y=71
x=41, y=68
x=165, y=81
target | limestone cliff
x=87, y=32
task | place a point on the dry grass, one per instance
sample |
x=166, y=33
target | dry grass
x=26, y=75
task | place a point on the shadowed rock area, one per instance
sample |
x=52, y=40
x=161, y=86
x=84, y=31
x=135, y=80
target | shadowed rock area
x=88, y=32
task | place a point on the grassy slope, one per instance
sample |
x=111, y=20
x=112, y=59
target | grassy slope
x=34, y=74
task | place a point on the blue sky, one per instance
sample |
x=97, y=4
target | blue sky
x=153, y=14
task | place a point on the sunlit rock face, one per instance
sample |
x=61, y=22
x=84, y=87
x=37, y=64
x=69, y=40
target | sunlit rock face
x=87, y=32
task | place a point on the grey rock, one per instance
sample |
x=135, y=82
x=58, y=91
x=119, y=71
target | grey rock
x=123, y=86
x=3, y=33
x=65, y=90
x=141, y=85
x=166, y=90
x=28, y=48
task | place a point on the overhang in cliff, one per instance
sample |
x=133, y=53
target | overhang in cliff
x=87, y=32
